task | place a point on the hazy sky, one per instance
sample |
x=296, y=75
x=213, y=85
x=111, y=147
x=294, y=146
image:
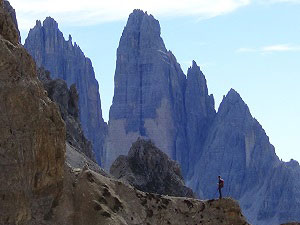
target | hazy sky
x=252, y=46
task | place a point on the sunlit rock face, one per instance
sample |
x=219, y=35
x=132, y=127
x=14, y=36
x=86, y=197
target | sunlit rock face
x=65, y=60
x=32, y=141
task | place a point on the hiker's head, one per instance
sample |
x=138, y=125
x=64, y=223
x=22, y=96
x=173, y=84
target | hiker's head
x=219, y=176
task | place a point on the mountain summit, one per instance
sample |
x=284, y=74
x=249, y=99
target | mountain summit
x=149, y=92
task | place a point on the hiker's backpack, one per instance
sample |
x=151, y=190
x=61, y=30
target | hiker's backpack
x=221, y=183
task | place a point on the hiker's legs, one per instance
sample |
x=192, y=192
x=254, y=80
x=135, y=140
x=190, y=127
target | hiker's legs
x=220, y=193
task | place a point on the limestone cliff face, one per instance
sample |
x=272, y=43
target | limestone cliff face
x=238, y=149
x=149, y=169
x=67, y=101
x=149, y=92
x=200, y=112
x=32, y=141
x=66, y=61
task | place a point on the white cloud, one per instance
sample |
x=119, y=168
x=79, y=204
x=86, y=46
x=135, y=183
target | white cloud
x=79, y=12
x=280, y=48
x=282, y=1
x=271, y=48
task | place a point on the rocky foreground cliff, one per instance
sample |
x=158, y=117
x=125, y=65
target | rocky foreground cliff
x=32, y=144
x=90, y=198
x=37, y=186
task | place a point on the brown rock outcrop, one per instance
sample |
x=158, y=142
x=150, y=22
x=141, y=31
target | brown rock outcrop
x=32, y=141
x=90, y=198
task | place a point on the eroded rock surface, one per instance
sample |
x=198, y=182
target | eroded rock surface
x=90, y=198
x=149, y=169
x=32, y=141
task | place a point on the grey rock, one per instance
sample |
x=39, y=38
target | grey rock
x=66, y=61
x=200, y=112
x=238, y=149
x=149, y=93
x=67, y=101
x=150, y=170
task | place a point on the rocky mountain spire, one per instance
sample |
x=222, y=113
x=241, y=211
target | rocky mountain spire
x=238, y=149
x=200, y=111
x=46, y=44
x=149, y=92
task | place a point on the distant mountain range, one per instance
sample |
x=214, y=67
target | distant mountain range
x=154, y=99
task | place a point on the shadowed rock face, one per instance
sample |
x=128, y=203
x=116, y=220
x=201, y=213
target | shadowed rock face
x=32, y=141
x=149, y=169
x=200, y=111
x=149, y=93
x=67, y=101
x=66, y=61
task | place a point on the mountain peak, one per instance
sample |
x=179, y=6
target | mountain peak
x=38, y=23
x=232, y=97
x=233, y=94
x=140, y=20
x=194, y=70
x=142, y=32
x=234, y=104
x=194, y=64
x=49, y=22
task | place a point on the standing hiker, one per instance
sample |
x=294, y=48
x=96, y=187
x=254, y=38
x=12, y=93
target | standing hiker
x=220, y=186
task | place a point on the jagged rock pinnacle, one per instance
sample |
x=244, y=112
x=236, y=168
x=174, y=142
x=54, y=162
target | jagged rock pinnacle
x=66, y=61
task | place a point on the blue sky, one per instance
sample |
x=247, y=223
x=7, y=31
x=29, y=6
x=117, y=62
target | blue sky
x=252, y=46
